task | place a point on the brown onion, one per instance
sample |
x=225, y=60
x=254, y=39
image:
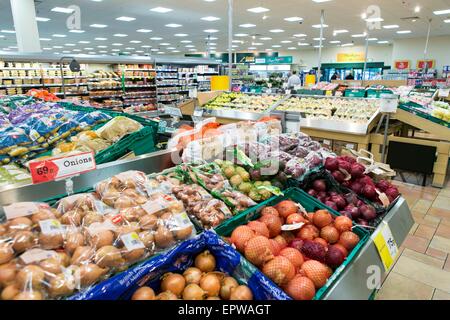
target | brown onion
x=7, y=274
x=193, y=292
x=228, y=283
x=9, y=292
x=174, y=283
x=192, y=275
x=205, y=261
x=144, y=293
x=241, y=293
x=210, y=283
x=6, y=253
x=167, y=295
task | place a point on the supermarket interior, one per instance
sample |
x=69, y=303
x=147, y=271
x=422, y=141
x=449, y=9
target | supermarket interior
x=224, y=150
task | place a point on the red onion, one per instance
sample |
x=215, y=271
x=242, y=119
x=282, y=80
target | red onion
x=331, y=204
x=368, y=212
x=312, y=192
x=383, y=185
x=320, y=185
x=338, y=176
x=369, y=192
x=339, y=201
x=392, y=192
x=296, y=244
x=345, y=165
x=356, y=187
x=351, y=198
x=331, y=164
x=357, y=170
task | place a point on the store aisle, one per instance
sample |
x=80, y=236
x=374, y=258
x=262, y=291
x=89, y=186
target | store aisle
x=422, y=270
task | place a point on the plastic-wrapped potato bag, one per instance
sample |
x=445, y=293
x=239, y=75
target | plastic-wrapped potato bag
x=117, y=128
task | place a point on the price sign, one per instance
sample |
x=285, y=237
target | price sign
x=386, y=245
x=389, y=103
x=444, y=93
x=61, y=168
x=173, y=111
x=198, y=115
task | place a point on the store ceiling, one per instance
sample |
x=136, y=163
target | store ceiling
x=339, y=14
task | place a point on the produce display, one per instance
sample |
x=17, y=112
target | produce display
x=200, y=282
x=243, y=102
x=441, y=110
x=48, y=253
x=12, y=173
x=297, y=250
x=32, y=129
x=354, y=110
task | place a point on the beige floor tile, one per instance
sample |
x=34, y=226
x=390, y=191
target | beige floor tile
x=425, y=232
x=416, y=243
x=430, y=190
x=424, y=273
x=438, y=263
x=422, y=206
x=441, y=255
x=441, y=295
x=399, y=287
x=439, y=212
x=413, y=229
x=443, y=231
x=445, y=192
x=445, y=221
x=431, y=221
x=447, y=264
x=440, y=243
x=442, y=203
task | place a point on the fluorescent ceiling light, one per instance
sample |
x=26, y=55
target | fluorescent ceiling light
x=156, y=38
x=192, y=50
x=76, y=50
x=57, y=47
x=173, y=25
x=347, y=45
x=135, y=41
x=45, y=39
x=391, y=26
x=88, y=48
x=211, y=30
x=252, y=48
x=181, y=35
x=146, y=46
x=175, y=51
x=403, y=31
x=293, y=19
x=83, y=41
x=66, y=51
x=130, y=48
x=336, y=32
x=441, y=12
x=265, y=38
x=318, y=46
x=303, y=44
x=101, y=39
x=117, y=44
x=164, y=44
x=186, y=41
x=258, y=10
x=234, y=46
x=70, y=44
x=373, y=39
x=286, y=41
x=318, y=39
x=57, y=35
x=276, y=46
x=300, y=35
x=8, y=31
x=97, y=25
x=211, y=38
x=317, y=26
x=238, y=41
x=103, y=51
x=46, y=48
x=292, y=48
x=382, y=42
x=320, y=1
x=102, y=47
x=77, y=31
x=190, y=46
x=140, y=51
x=171, y=48
x=359, y=35
x=144, y=30
x=257, y=44
x=447, y=21
x=121, y=35
x=247, y=25
x=210, y=18
x=62, y=10
x=161, y=52
x=374, y=20
x=115, y=50
x=42, y=19
x=241, y=35
x=127, y=19
x=161, y=10
x=335, y=41
x=276, y=30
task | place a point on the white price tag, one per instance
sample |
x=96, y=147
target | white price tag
x=132, y=241
x=386, y=245
x=173, y=111
x=36, y=255
x=23, y=209
x=154, y=206
x=182, y=220
x=51, y=227
x=291, y=227
x=443, y=93
x=198, y=113
x=388, y=103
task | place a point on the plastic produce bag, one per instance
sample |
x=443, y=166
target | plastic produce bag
x=117, y=128
x=177, y=260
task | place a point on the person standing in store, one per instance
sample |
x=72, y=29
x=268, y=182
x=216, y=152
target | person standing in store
x=294, y=80
x=335, y=76
x=350, y=76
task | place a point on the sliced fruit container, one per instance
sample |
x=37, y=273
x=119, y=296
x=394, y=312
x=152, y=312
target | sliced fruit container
x=310, y=204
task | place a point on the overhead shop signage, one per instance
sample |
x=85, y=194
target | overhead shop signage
x=402, y=64
x=275, y=60
x=426, y=64
x=350, y=57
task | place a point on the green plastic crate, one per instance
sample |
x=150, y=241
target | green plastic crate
x=310, y=204
x=358, y=93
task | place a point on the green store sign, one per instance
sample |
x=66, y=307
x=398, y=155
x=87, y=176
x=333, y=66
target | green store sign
x=274, y=60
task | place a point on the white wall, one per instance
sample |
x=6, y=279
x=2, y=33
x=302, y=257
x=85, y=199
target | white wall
x=406, y=49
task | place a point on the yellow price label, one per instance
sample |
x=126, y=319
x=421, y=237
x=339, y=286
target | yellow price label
x=385, y=243
x=329, y=93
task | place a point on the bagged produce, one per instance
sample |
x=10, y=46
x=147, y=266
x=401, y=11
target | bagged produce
x=118, y=127
x=178, y=260
x=12, y=173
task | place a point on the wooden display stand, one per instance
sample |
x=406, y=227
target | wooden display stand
x=187, y=107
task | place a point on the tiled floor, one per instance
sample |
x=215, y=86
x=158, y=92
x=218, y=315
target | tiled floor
x=422, y=270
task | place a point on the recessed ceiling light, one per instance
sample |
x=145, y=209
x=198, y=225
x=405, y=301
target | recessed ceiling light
x=391, y=26
x=146, y=46
x=130, y=48
x=181, y=35
x=403, y=31
x=257, y=43
x=140, y=51
x=62, y=10
x=373, y=39
x=76, y=50
x=276, y=30
x=70, y=44
x=359, y=35
x=135, y=41
x=265, y=38
x=258, y=10
x=127, y=19
x=103, y=51
x=45, y=39
x=276, y=46
x=300, y=35
x=102, y=47
x=77, y=31
x=303, y=44
x=57, y=35
x=286, y=41
x=42, y=19
x=211, y=38
x=441, y=12
x=293, y=19
x=97, y=25
x=241, y=35
x=317, y=26
x=186, y=41
x=335, y=32
x=156, y=38
x=173, y=25
x=144, y=30
x=115, y=50
x=347, y=45
x=335, y=41
x=101, y=39
x=117, y=44
x=318, y=39
x=164, y=44
x=7, y=31
x=83, y=41
x=210, y=18
x=210, y=30
x=161, y=10
x=247, y=25
x=121, y=35
x=192, y=50
x=382, y=42
x=46, y=48
x=57, y=47
x=190, y=46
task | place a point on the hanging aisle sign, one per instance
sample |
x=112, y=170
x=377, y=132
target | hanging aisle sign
x=61, y=168
x=402, y=64
x=351, y=57
x=426, y=64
